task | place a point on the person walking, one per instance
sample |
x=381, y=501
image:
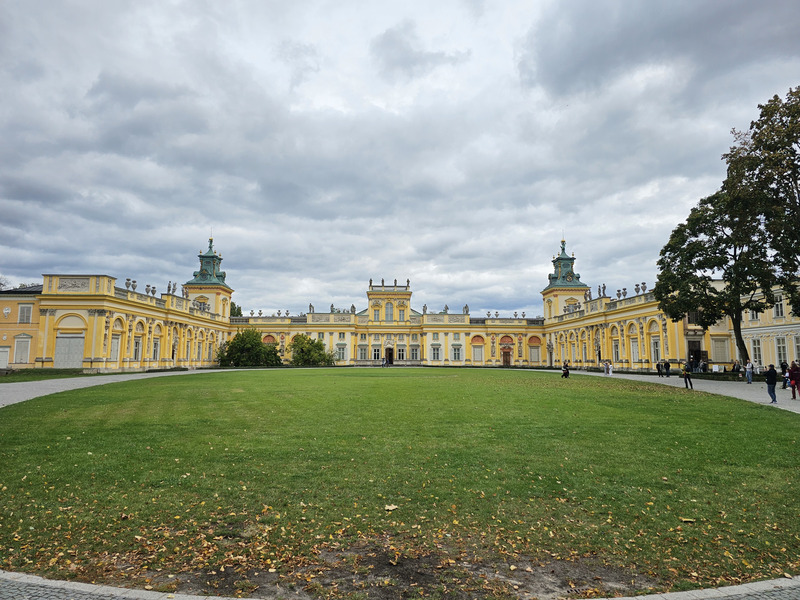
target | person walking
x=660, y=369
x=771, y=378
x=687, y=376
x=667, y=367
x=748, y=370
x=794, y=378
x=565, y=370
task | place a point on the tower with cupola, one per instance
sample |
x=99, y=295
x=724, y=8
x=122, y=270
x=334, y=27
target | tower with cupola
x=207, y=289
x=564, y=292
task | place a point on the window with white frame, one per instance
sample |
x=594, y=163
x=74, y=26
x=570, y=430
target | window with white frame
x=376, y=354
x=401, y=314
x=362, y=354
x=389, y=311
x=435, y=336
x=754, y=315
x=321, y=335
x=456, y=353
x=137, y=348
x=435, y=353
x=778, y=308
x=363, y=337
x=615, y=350
x=401, y=353
x=414, y=337
x=414, y=353
x=156, y=349
x=655, y=350
x=456, y=337
x=401, y=337
x=341, y=335
x=376, y=337
x=25, y=311
x=340, y=353
x=756, y=348
x=780, y=347
x=376, y=314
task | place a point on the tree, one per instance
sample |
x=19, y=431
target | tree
x=310, y=353
x=716, y=263
x=247, y=350
x=236, y=310
x=767, y=157
x=3, y=283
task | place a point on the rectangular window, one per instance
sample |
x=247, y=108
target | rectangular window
x=756, y=346
x=779, y=312
x=25, y=311
x=780, y=346
x=415, y=354
x=615, y=347
x=321, y=336
x=376, y=337
x=635, y=350
x=754, y=315
x=401, y=337
x=401, y=314
x=693, y=317
x=655, y=350
x=797, y=347
x=341, y=335
x=401, y=353
x=389, y=312
x=435, y=336
x=456, y=353
x=156, y=349
x=376, y=314
x=199, y=354
x=340, y=353
x=376, y=354
x=137, y=348
x=362, y=354
x=363, y=337
x=477, y=354
x=22, y=347
x=456, y=337
x=414, y=337
x=435, y=353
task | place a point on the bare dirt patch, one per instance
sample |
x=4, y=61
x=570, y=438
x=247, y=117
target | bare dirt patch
x=369, y=572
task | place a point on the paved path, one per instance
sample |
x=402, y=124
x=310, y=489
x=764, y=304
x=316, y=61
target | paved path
x=18, y=586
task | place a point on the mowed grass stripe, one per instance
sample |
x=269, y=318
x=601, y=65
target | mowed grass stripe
x=160, y=473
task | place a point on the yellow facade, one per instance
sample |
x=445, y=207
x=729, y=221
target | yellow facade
x=89, y=322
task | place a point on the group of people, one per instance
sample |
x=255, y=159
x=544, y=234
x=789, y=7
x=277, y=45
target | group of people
x=790, y=376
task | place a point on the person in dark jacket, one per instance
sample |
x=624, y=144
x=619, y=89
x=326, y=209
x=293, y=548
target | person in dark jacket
x=667, y=367
x=794, y=378
x=771, y=378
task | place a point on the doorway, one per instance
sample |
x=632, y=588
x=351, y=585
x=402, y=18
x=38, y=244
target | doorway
x=506, y=358
x=389, y=356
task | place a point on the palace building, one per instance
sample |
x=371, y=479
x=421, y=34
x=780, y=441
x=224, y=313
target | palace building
x=91, y=322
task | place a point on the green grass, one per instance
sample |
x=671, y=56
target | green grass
x=264, y=468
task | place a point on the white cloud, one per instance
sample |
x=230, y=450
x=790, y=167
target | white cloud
x=329, y=143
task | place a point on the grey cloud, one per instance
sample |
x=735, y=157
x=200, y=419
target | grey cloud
x=302, y=59
x=578, y=46
x=399, y=54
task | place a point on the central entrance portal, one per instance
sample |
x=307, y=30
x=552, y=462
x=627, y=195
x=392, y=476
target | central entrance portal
x=389, y=356
x=506, y=358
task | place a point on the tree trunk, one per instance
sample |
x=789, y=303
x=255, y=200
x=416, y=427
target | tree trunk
x=736, y=319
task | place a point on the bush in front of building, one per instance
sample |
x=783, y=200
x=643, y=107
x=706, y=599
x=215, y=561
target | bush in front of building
x=247, y=350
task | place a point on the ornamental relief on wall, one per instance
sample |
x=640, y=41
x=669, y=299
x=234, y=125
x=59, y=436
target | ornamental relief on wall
x=73, y=284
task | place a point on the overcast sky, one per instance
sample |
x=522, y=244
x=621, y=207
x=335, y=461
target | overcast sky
x=453, y=143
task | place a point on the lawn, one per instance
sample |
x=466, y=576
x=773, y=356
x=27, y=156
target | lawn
x=394, y=483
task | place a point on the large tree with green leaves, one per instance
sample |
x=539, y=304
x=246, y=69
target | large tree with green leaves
x=767, y=157
x=310, y=353
x=236, y=310
x=716, y=263
x=246, y=349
